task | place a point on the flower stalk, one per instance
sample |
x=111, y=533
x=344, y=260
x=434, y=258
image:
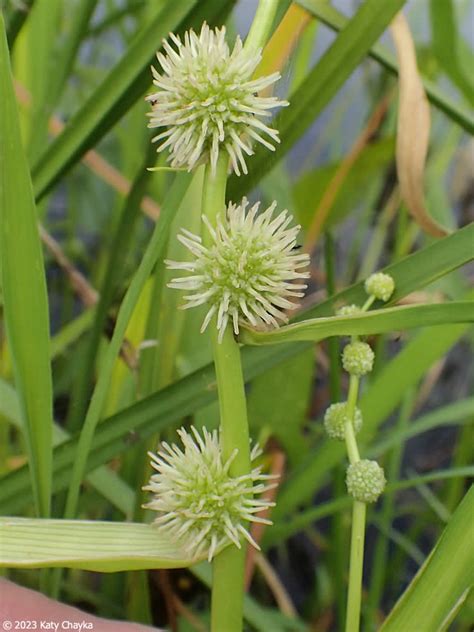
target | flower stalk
x=365, y=479
x=228, y=566
x=209, y=110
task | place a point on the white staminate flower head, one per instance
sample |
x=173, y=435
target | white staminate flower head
x=207, y=100
x=201, y=506
x=247, y=272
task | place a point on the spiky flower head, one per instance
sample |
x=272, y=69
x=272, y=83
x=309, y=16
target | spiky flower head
x=246, y=274
x=207, y=100
x=201, y=505
x=349, y=310
x=358, y=358
x=380, y=285
x=336, y=417
x=365, y=480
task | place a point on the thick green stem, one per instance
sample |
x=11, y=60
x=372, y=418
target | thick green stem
x=356, y=567
x=232, y=405
x=228, y=569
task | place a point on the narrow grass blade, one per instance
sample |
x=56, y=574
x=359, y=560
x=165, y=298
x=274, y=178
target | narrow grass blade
x=17, y=19
x=447, y=46
x=458, y=413
x=443, y=581
x=120, y=89
x=115, y=264
x=374, y=322
x=37, y=70
x=78, y=23
x=152, y=254
x=319, y=87
x=103, y=479
x=104, y=547
x=332, y=18
x=24, y=291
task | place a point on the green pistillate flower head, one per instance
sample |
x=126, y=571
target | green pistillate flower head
x=349, y=310
x=358, y=358
x=365, y=481
x=201, y=506
x=380, y=285
x=247, y=273
x=207, y=100
x=336, y=418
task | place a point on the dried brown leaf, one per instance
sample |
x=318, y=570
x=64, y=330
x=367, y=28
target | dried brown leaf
x=413, y=129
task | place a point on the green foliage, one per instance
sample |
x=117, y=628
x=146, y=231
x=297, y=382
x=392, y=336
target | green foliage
x=447, y=573
x=106, y=547
x=24, y=291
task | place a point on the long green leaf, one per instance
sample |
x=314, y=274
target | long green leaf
x=198, y=389
x=154, y=251
x=446, y=45
x=320, y=86
x=17, y=19
x=332, y=18
x=120, y=245
x=105, y=547
x=37, y=70
x=460, y=412
x=374, y=322
x=443, y=581
x=24, y=290
x=120, y=89
x=103, y=479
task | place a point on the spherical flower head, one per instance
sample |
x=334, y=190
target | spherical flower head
x=247, y=273
x=349, y=310
x=207, y=100
x=365, y=481
x=336, y=418
x=201, y=506
x=358, y=358
x=380, y=285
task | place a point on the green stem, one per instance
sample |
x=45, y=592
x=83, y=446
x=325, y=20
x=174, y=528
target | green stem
x=351, y=443
x=232, y=405
x=261, y=25
x=368, y=303
x=228, y=568
x=358, y=519
x=356, y=567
